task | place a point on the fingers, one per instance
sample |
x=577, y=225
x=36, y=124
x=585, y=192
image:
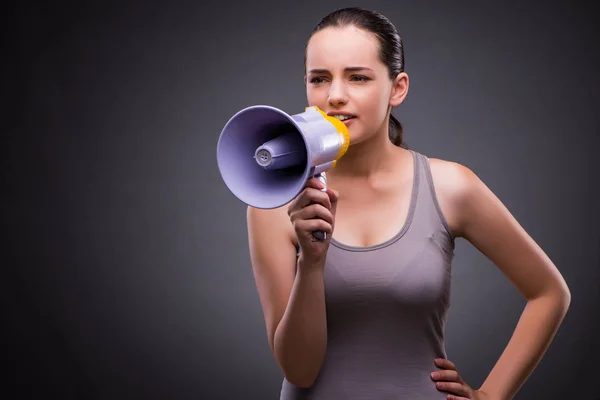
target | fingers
x=445, y=363
x=309, y=195
x=449, y=380
x=311, y=225
x=314, y=183
x=313, y=209
x=311, y=212
x=446, y=375
x=333, y=195
x=453, y=388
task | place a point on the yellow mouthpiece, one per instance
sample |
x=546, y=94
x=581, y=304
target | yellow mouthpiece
x=342, y=129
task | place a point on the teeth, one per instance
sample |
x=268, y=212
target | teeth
x=342, y=117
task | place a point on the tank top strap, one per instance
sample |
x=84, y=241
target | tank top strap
x=428, y=207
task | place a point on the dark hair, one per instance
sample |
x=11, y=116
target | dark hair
x=391, y=48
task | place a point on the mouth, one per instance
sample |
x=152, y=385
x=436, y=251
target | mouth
x=343, y=117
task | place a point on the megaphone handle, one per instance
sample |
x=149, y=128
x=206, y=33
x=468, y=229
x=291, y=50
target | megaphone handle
x=320, y=235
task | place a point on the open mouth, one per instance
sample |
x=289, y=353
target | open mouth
x=343, y=117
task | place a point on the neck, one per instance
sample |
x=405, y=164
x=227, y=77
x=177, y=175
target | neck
x=367, y=158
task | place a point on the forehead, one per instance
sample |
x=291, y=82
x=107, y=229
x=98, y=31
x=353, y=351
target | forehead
x=335, y=48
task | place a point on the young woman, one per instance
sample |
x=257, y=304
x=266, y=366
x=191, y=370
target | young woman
x=361, y=315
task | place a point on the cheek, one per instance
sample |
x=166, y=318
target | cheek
x=374, y=104
x=316, y=97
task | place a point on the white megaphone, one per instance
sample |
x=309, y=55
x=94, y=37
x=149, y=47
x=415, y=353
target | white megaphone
x=265, y=156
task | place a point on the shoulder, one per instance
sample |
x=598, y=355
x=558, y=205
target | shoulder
x=451, y=176
x=269, y=222
x=454, y=184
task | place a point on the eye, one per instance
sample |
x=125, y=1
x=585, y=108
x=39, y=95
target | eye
x=360, y=78
x=317, y=79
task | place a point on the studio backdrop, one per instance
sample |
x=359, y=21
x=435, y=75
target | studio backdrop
x=126, y=270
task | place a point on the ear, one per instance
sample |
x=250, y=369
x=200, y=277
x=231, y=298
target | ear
x=399, y=89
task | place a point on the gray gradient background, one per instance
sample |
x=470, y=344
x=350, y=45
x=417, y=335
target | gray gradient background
x=126, y=271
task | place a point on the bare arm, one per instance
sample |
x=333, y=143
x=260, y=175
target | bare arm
x=483, y=220
x=293, y=303
x=301, y=337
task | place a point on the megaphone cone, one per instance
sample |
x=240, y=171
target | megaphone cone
x=265, y=156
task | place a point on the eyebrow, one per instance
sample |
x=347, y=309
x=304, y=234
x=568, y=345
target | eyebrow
x=349, y=69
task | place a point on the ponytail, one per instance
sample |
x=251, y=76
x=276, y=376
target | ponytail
x=395, y=132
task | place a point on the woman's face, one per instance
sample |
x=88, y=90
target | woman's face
x=344, y=74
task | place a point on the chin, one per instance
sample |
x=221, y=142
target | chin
x=356, y=138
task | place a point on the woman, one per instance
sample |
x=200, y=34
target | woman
x=361, y=315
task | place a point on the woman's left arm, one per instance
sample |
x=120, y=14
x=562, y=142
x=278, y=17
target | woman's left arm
x=484, y=221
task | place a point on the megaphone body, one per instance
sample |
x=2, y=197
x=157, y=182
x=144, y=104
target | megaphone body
x=265, y=156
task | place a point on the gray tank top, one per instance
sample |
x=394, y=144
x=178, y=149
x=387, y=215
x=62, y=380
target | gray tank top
x=386, y=308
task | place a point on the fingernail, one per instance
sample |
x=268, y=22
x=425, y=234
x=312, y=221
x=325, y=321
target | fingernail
x=433, y=375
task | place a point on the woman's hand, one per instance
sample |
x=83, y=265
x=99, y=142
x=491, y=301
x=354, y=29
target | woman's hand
x=313, y=210
x=449, y=380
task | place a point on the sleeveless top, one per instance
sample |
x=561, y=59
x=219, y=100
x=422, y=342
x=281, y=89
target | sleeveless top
x=386, y=308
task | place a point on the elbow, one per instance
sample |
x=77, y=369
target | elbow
x=557, y=292
x=298, y=371
x=564, y=302
x=564, y=295
x=567, y=293
x=566, y=298
x=300, y=374
x=304, y=385
x=301, y=377
x=558, y=298
x=304, y=382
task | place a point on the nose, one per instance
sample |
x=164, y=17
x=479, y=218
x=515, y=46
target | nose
x=337, y=94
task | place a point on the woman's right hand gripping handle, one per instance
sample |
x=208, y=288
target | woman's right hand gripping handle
x=313, y=210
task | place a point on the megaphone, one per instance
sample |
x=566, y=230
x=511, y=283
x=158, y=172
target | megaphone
x=265, y=156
